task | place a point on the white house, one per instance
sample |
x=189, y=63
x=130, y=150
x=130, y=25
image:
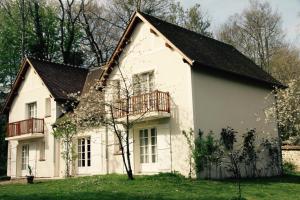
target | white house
x=199, y=83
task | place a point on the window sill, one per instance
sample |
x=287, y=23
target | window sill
x=117, y=153
x=46, y=116
x=42, y=160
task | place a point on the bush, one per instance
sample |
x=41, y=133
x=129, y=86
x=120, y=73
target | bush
x=4, y=178
x=289, y=168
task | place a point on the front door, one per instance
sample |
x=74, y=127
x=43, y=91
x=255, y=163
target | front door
x=148, y=150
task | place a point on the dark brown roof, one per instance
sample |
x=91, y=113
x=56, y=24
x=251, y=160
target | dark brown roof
x=61, y=80
x=208, y=52
x=92, y=78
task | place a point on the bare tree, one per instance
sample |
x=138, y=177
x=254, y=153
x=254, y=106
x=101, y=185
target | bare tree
x=123, y=10
x=101, y=32
x=70, y=11
x=256, y=32
x=286, y=64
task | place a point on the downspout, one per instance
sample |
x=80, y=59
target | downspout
x=171, y=156
x=36, y=157
x=106, y=149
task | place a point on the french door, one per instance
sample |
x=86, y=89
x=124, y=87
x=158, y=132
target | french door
x=84, y=154
x=25, y=159
x=148, y=149
x=28, y=158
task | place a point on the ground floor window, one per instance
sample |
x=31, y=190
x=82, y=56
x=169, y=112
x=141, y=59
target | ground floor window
x=148, y=145
x=25, y=156
x=84, y=152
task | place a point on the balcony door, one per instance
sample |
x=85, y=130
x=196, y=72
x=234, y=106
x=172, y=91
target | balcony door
x=143, y=85
x=32, y=113
x=32, y=110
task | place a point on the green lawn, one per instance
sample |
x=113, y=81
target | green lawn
x=152, y=187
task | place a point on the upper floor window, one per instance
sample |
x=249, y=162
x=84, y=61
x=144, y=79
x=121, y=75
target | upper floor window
x=48, y=107
x=116, y=89
x=143, y=83
x=31, y=110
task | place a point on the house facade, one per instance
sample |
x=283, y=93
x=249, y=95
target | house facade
x=194, y=82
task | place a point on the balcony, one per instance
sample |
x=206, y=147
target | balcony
x=155, y=104
x=25, y=129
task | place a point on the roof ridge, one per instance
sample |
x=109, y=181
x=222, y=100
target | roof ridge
x=56, y=63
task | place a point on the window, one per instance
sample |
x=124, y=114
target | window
x=42, y=151
x=32, y=111
x=148, y=145
x=47, y=107
x=84, y=152
x=116, y=89
x=117, y=145
x=25, y=156
x=143, y=83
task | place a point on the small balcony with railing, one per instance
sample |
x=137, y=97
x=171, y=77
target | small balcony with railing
x=153, y=105
x=25, y=129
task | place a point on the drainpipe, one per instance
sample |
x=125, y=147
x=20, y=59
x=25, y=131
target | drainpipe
x=171, y=156
x=106, y=149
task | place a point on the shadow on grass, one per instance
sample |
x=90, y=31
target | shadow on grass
x=291, y=178
x=93, y=196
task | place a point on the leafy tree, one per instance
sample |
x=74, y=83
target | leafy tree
x=65, y=129
x=286, y=109
x=3, y=146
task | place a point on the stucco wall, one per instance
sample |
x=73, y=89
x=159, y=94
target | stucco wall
x=33, y=90
x=148, y=52
x=219, y=103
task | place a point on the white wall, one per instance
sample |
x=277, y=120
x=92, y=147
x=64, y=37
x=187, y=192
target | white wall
x=148, y=52
x=33, y=90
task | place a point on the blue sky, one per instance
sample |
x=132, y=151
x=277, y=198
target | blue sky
x=219, y=10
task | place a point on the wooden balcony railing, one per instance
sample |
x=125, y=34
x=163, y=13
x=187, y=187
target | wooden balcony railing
x=141, y=104
x=32, y=125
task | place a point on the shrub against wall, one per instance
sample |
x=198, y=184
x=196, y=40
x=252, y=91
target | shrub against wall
x=225, y=157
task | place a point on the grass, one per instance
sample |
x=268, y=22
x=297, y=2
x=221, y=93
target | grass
x=164, y=186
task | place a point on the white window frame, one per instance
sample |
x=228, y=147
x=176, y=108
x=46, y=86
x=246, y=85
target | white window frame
x=25, y=157
x=84, y=152
x=140, y=86
x=48, y=107
x=148, y=145
x=31, y=110
x=42, y=151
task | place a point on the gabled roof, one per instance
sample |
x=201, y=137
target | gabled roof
x=199, y=51
x=60, y=79
x=91, y=79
